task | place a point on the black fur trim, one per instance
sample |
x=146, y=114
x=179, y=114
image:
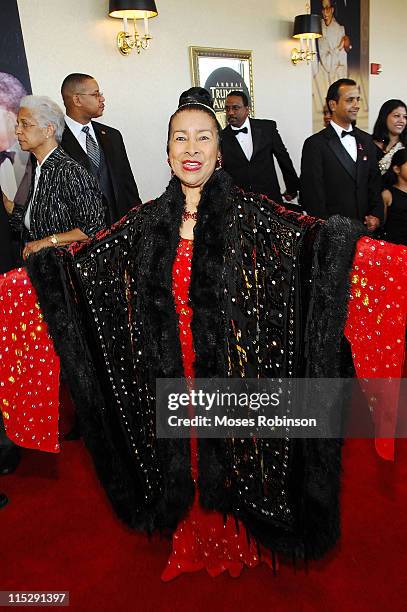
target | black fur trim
x=48, y=276
x=160, y=323
x=207, y=280
x=335, y=250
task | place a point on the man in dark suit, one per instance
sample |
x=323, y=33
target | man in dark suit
x=98, y=147
x=339, y=172
x=248, y=150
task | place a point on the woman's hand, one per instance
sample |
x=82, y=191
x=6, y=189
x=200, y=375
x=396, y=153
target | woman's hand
x=345, y=43
x=35, y=246
x=75, y=235
x=372, y=222
x=8, y=204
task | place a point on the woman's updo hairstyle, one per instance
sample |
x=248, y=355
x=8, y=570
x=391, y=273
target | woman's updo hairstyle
x=195, y=98
x=197, y=94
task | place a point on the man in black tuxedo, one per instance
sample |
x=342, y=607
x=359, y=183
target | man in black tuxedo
x=98, y=147
x=339, y=172
x=248, y=150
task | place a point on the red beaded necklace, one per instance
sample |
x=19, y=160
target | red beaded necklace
x=189, y=215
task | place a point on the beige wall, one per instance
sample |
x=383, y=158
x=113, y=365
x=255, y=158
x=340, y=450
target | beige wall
x=142, y=91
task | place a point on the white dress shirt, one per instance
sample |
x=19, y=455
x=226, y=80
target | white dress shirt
x=36, y=179
x=348, y=142
x=245, y=140
x=76, y=129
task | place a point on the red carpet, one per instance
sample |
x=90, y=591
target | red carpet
x=58, y=533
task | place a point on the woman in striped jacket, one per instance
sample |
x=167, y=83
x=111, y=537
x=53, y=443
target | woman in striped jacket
x=64, y=204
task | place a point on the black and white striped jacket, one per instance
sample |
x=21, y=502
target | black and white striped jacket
x=67, y=197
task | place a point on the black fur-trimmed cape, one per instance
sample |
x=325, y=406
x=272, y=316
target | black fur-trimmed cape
x=269, y=290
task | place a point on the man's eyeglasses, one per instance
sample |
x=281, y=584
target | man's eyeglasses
x=97, y=94
x=234, y=107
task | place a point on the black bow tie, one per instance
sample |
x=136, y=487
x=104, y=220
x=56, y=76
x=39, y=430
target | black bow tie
x=6, y=155
x=351, y=133
x=243, y=131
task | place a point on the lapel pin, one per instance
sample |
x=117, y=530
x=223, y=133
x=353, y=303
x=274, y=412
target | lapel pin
x=365, y=158
x=103, y=132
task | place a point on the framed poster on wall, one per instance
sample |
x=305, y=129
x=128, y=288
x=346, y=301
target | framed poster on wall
x=14, y=84
x=343, y=52
x=221, y=71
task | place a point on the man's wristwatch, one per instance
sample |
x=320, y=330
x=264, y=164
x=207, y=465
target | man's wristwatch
x=54, y=239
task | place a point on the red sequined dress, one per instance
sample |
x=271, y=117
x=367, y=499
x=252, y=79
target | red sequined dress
x=29, y=375
x=203, y=540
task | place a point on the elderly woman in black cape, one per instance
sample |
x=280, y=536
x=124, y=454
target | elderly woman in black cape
x=206, y=281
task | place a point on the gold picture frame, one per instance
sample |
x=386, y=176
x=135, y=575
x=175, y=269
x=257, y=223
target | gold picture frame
x=222, y=71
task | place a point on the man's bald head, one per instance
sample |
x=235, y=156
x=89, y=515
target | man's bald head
x=72, y=84
x=82, y=98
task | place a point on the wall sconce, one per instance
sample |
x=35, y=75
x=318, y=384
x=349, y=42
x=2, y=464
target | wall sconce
x=133, y=9
x=307, y=28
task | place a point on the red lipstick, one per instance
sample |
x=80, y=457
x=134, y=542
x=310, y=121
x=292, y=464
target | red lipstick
x=191, y=165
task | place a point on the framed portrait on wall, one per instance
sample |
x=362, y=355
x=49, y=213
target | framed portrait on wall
x=221, y=71
x=343, y=52
x=14, y=84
